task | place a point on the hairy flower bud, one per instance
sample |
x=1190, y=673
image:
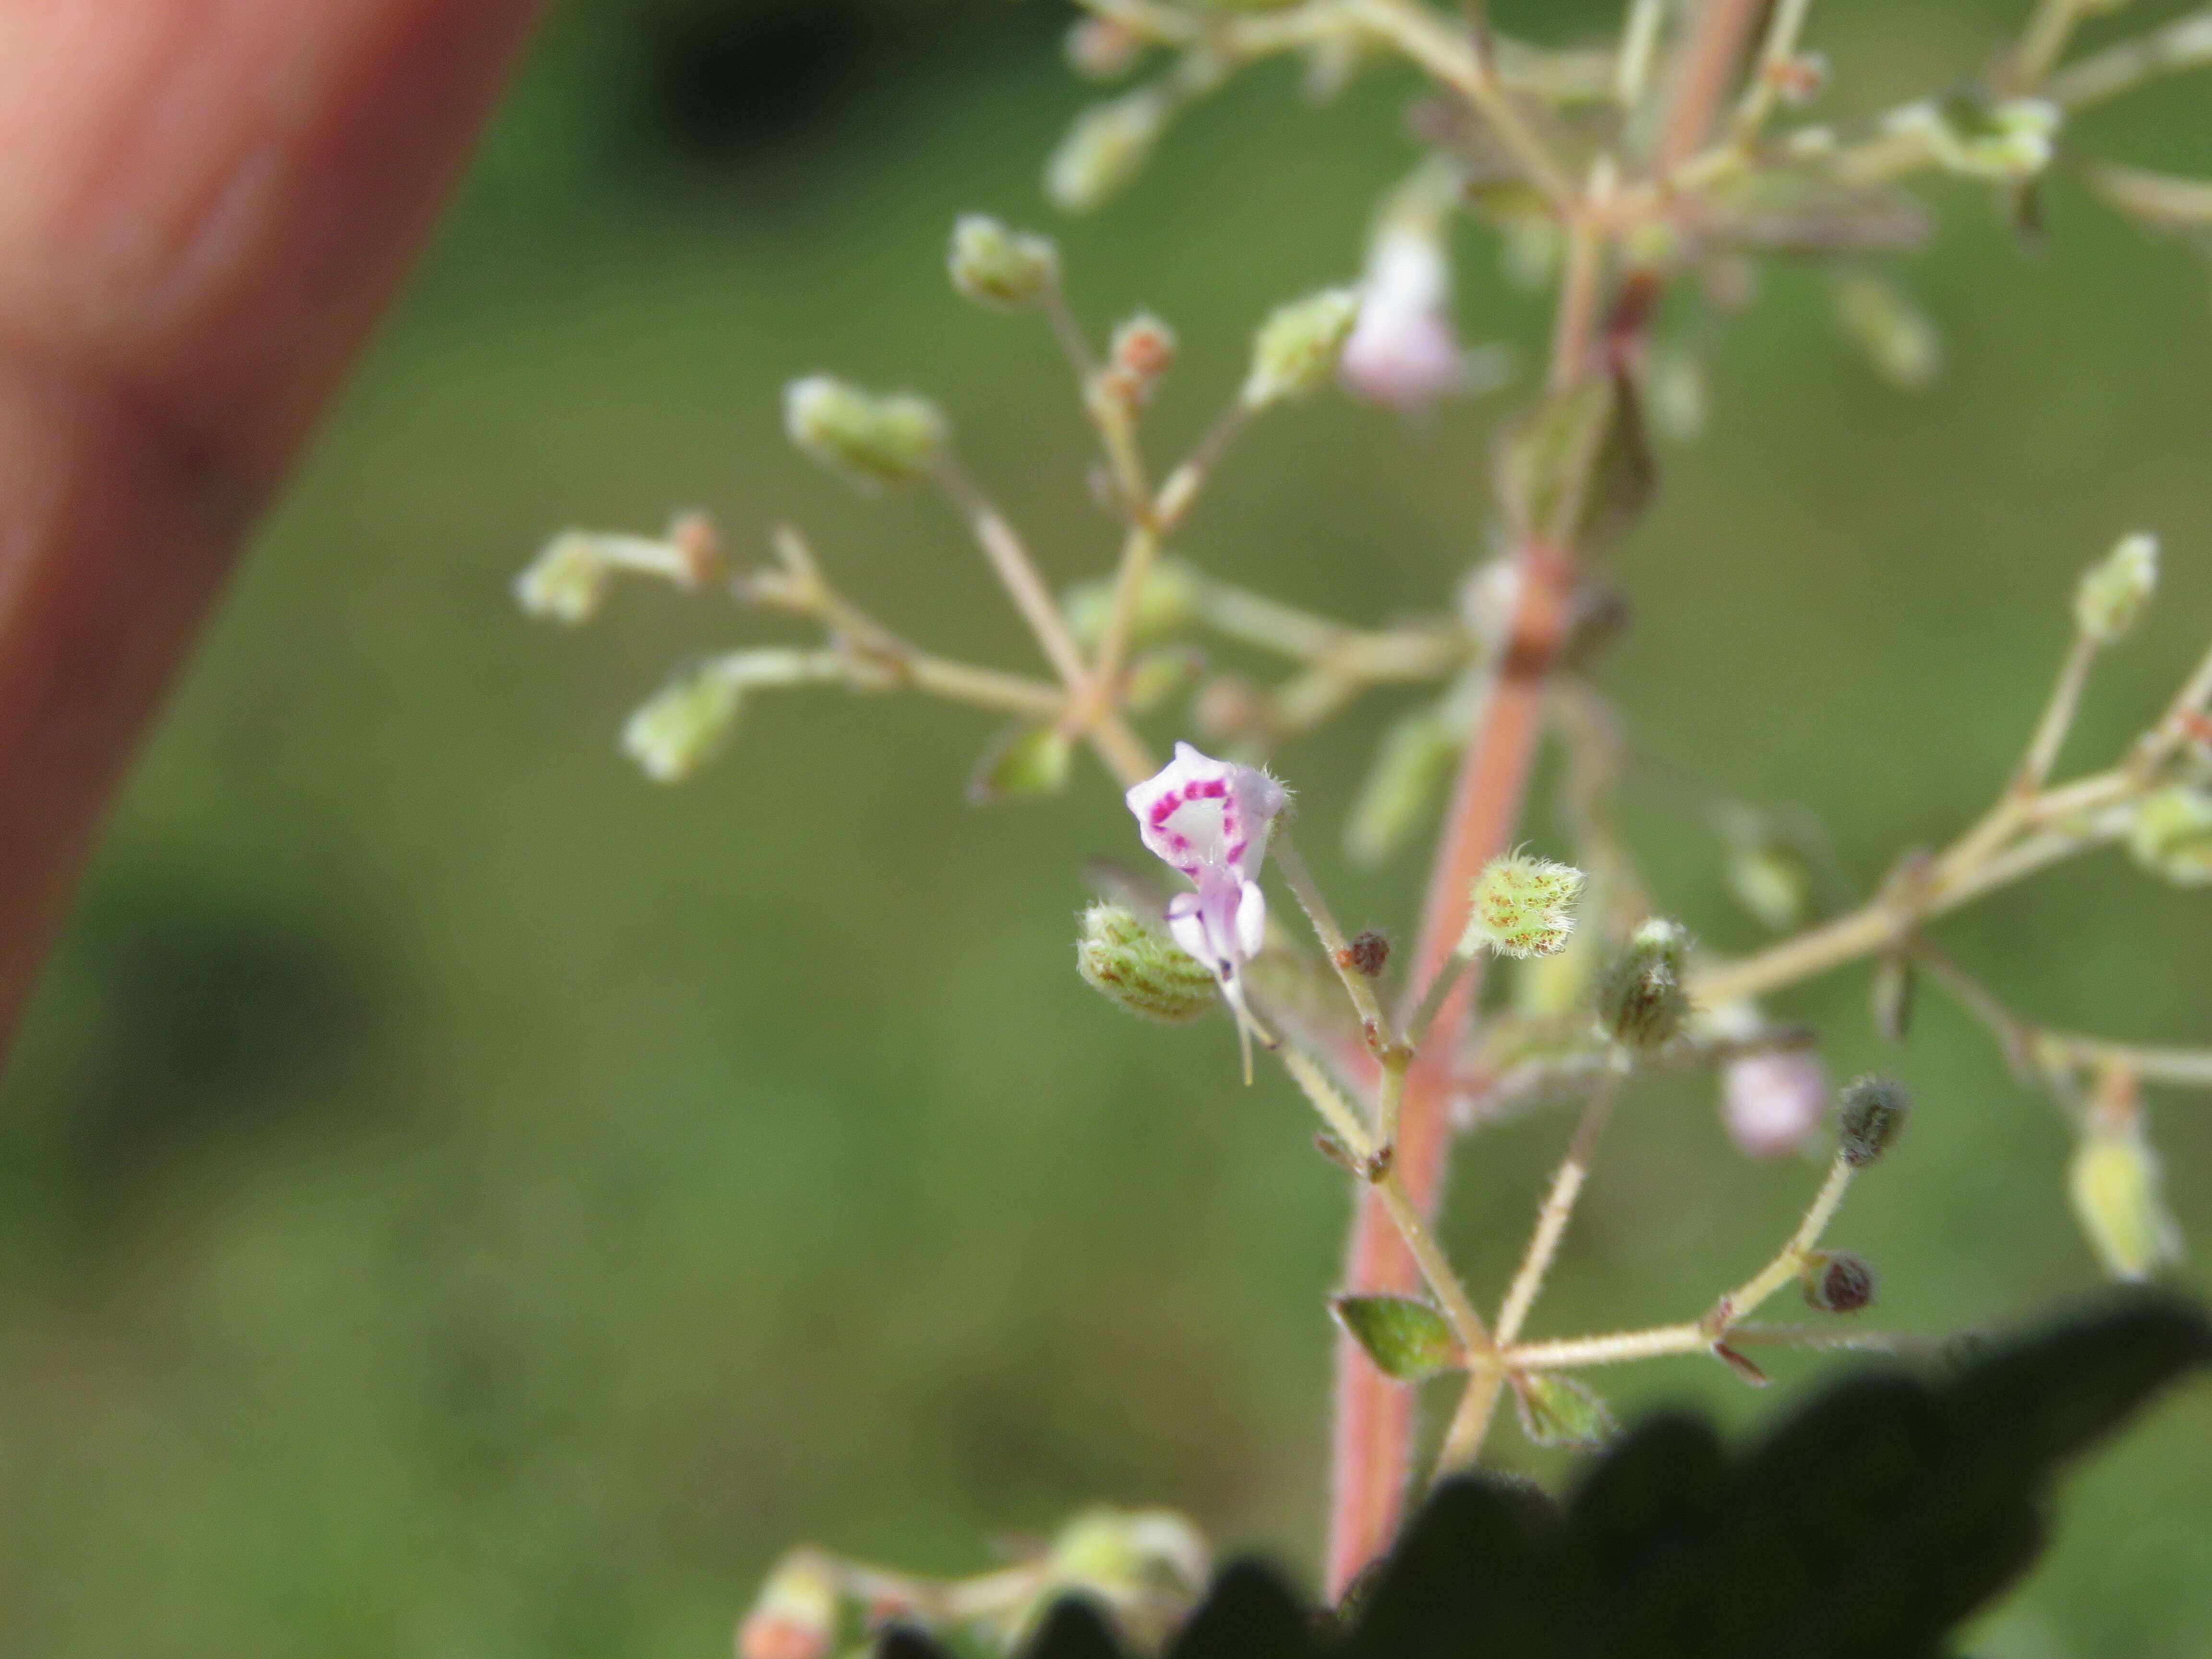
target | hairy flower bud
x=1107, y=147
x=2113, y=590
x=1366, y=954
x=1142, y=352
x=1132, y=964
x=2171, y=834
x=1523, y=906
x=1641, y=999
x=1007, y=270
x=795, y=1616
x=1872, y=1118
x=681, y=727
x=2119, y=1193
x=1840, y=1283
x=1296, y=348
x=873, y=438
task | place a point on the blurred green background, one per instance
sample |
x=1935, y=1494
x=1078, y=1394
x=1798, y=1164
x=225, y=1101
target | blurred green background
x=459, y=1199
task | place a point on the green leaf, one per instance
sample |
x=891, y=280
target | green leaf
x=1411, y=765
x=1580, y=471
x=1024, y=762
x=1406, y=1339
x=1557, y=1411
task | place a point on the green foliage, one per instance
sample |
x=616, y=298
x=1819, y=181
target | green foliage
x=1406, y=1337
x=1871, y=1521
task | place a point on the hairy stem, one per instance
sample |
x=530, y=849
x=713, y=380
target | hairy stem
x=1371, y=1453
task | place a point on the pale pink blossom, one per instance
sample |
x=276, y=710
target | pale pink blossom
x=1774, y=1102
x=1404, y=352
x=1209, y=820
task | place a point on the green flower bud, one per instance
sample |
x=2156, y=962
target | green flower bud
x=1148, y=1567
x=1895, y=334
x=1116, y=1551
x=1107, y=147
x=994, y=267
x=873, y=438
x=1156, y=676
x=2009, y=143
x=2113, y=591
x=1641, y=1001
x=568, y=580
x=1167, y=604
x=1296, y=348
x=1141, y=970
x=1025, y=761
x=1523, y=906
x=683, y=724
x=2172, y=835
x=1873, y=1117
x=1840, y=1283
x=1769, y=867
x=795, y=1616
x=2118, y=1194
x=1410, y=763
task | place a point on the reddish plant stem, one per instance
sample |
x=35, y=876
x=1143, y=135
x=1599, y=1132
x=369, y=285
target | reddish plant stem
x=1703, y=74
x=1374, y=1415
x=1371, y=1456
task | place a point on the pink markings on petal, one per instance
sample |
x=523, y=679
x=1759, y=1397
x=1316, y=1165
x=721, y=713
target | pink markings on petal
x=1209, y=820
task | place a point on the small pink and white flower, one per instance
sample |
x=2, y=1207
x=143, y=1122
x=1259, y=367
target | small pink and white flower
x=1774, y=1103
x=1404, y=351
x=1211, y=819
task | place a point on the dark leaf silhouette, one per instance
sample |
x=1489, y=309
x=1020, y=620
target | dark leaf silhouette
x=1871, y=1521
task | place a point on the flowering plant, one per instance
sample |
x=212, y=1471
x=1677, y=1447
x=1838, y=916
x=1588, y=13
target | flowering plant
x=1668, y=161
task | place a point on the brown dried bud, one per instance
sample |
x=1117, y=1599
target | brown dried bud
x=1367, y=955
x=1840, y=1284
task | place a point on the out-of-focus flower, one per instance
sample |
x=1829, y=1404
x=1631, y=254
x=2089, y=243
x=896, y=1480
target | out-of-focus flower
x=1774, y=1102
x=1404, y=351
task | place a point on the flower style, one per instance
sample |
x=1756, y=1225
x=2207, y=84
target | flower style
x=1211, y=819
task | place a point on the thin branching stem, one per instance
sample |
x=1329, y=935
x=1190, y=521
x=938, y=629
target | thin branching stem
x=1373, y=1024
x=1558, y=1209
